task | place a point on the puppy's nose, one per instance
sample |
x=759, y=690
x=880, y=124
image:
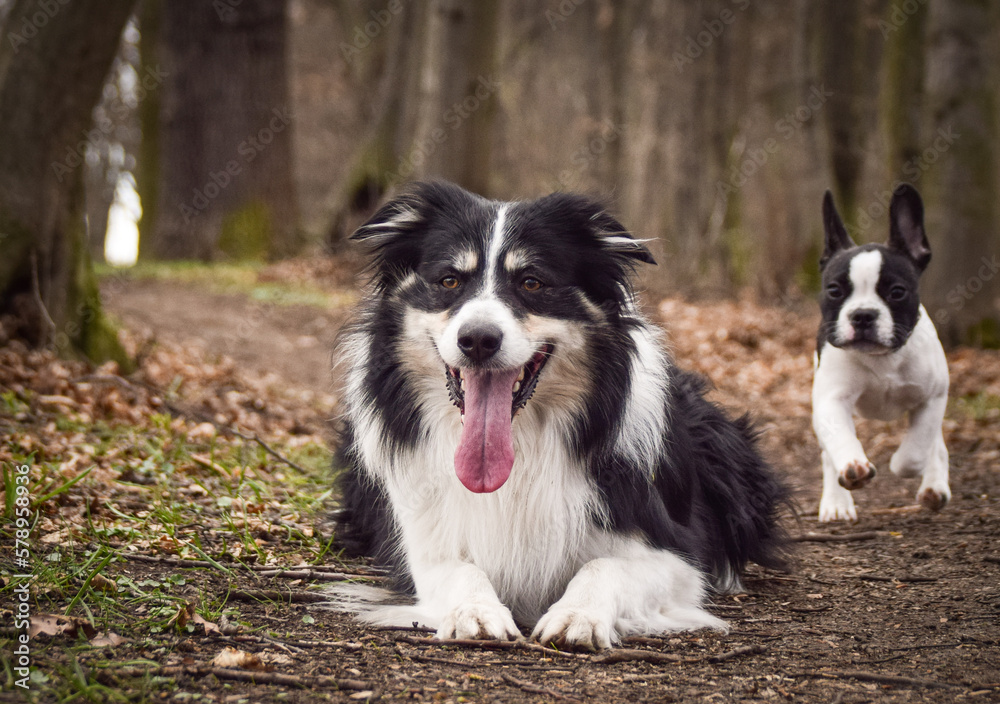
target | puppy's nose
x=863, y=317
x=479, y=341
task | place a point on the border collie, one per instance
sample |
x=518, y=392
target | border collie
x=519, y=445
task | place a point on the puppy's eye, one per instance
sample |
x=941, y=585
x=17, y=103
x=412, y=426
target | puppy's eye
x=450, y=282
x=834, y=292
x=530, y=284
x=897, y=293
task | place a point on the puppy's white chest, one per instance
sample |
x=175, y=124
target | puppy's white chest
x=888, y=399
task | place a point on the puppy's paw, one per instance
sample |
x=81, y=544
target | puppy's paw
x=933, y=498
x=838, y=507
x=479, y=621
x=578, y=628
x=856, y=474
x=903, y=466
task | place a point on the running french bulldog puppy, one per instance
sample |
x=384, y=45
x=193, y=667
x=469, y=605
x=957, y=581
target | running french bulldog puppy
x=878, y=356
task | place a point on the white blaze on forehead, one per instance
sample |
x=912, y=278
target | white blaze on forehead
x=864, y=272
x=495, y=244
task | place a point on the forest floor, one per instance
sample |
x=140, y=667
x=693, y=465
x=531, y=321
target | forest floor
x=183, y=534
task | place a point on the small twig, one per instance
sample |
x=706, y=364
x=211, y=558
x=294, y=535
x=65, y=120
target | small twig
x=827, y=538
x=808, y=609
x=913, y=508
x=991, y=558
x=274, y=595
x=407, y=629
x=877, y=678
x=755, y=649
x=267, y=448
x=445, y=661
x=884, y=578
x=630, y=655
x=537, y=689
x=318, y=575
x=488, y=645
x=345, y=644
x=224, y=673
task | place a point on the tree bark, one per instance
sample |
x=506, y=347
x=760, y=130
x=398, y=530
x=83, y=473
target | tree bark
x=223, y=135
x=53, y=63
x=957, y=170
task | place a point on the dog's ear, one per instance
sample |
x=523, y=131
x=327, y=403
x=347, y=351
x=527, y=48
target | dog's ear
x=615, y=238
x=834, y=233
x=906, y=226
x=397, y=217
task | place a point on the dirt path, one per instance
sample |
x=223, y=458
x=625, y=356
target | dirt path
x=293, y=341
x=903, y=606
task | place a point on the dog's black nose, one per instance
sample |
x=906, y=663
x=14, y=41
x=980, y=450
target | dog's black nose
x=863, y=317
x=479, y=341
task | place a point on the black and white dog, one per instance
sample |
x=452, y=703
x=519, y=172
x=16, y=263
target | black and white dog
x=878, y=355
x=517, y=441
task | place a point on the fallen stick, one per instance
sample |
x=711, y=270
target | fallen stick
x=829, y=538
x=877, y=678
x=537, y=689
x=488, y=645
x=274, y=595
x=225, y=673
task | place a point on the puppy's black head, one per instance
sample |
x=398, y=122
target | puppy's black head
x=870, y=299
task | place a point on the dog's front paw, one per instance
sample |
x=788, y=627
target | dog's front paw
x=933, y=498
x=479, y=621
x=574, y=628
x=856, y=474
x=837, y=507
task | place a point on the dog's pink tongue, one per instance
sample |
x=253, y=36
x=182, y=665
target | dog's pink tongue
x=485, y=451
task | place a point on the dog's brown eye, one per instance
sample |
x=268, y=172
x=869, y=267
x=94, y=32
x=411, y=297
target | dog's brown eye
x=834, y=292
x=530, y=284
x=450, y=282
x=897, y=293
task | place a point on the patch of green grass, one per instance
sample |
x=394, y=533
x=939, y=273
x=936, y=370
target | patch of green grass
x=979, y=407
x=237, y=278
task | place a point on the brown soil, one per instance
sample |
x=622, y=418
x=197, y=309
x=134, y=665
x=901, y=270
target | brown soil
x=903, y=606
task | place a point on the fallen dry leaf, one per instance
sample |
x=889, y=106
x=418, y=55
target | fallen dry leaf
x=233, y=658
x=107, y=638
x=58, y=625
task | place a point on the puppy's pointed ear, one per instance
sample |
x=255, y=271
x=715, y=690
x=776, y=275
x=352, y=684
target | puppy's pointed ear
x=614, y=238
x=906, y=226
x=835, y=234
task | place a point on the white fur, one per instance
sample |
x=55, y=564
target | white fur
x=912, y=380
x=532, y=551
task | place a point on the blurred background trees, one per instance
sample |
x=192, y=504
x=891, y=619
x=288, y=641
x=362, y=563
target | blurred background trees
x=268, y=128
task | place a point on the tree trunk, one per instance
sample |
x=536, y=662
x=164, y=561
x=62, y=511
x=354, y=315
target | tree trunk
x=53, y=63
x=223, y=135
x=958, y=165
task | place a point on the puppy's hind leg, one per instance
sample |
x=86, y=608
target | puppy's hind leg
x=934, y=492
